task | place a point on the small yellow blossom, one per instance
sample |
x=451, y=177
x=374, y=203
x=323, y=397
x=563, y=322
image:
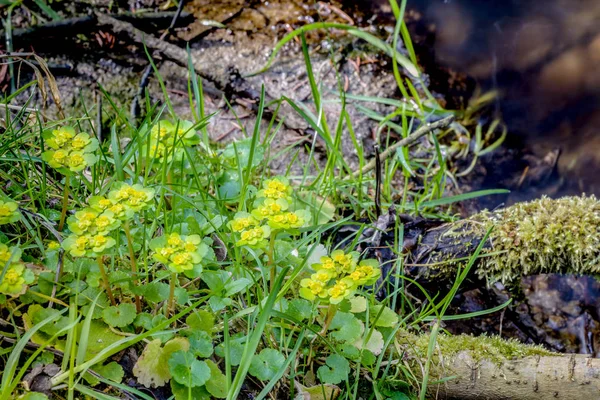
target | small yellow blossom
x=179, y=253
x=311, y=289
x=242, y=221
x=9, y=211
x=276, y=188
x=340, y=291
x=8, y=254
x=15, y=280
x=254, y=237
x=53, y=245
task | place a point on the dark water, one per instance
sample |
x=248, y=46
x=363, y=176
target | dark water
x=543, y=57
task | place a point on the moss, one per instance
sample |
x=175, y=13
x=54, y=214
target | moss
x=543, y=236
x=490, y=348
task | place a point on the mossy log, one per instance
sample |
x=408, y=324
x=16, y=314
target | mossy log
x=492, y=368
x=541, y=236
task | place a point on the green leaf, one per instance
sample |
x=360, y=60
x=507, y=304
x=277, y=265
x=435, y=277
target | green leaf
x=152, y=368
x=266, y=365
x=236, y=286
x=119, y=316
x=34, y=396
x=143, y=320
x=243, y=148
x=100, y=337
x=111, y=371
x=182, y=392
x=374, y=344
x=349, y=351
x=368, y=358
x=201, y=344
x=217, y=384
x=187, y=370
x=236, y=349
x=299, y=309
x=155, y=292
x=358, y=304
x=38, y=314
x=388, y=317
x=201, y=320
x=321, y=209
x=345, y=327
x=335, y=371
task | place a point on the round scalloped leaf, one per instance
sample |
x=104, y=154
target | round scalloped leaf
x=266, y=364
x=388, y=317
x=345, y=327
x=201, y=344
x=374, y=344
x=111, y=371
x=151, y=368
x=300, y=309
x=187, y=370
x=182, y=392
x=336, y=370
x=217, y=384
x=201, y=320
x=236, y=350
x=119, y=316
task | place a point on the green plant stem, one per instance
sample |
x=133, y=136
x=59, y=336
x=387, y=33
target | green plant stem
x=331, y=310
x=134, y=270
x=171, y=294
x=65, y=204
x=105, y=280
x=271, y=255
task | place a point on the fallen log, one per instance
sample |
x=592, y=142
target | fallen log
x=541, y=236
x=496, y=369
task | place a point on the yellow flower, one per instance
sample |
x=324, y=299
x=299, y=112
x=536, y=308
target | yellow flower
x=174, y=240
x=59, y=157
x=289, y=220
x=80, y=141
x=254, y=237
x=241, y=221
x=16, y=279
x=82, y=221
x=276, y=188
x=327, y=265
x=76, y=162
x=9, y=211
x=179, y=253
x=311, y=289
x=269, y=208
x=53, y=245
x=339, y=292
x=9, y=254
x=59, y=137
x=134, y=198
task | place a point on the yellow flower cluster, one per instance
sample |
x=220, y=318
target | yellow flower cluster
x=338, y=276
x=270, y=213
x=69, y=151
x=16, y=275
x=124, y=200
x=9, y=211
x=168, y=139
x=178, y=252
x=91, y=227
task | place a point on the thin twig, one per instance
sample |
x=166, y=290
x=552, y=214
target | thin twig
x=422, y=131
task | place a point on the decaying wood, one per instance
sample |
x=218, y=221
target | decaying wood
x=529, y=378
x=541, y=236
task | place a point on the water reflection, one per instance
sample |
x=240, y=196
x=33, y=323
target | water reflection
x=544, y=57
